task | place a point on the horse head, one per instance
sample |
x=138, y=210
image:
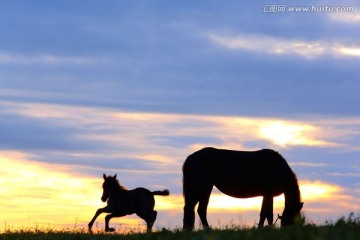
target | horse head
x=107, y=186
x=290, y=213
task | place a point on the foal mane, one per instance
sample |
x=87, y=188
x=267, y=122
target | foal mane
x=121, y=187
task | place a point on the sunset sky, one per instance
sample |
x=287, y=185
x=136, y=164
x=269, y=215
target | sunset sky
x=134, y=87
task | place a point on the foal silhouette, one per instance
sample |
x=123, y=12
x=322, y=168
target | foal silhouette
x=121, y=202
x=239, y=174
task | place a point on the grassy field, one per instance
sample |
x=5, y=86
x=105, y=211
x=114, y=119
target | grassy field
x=344, y=229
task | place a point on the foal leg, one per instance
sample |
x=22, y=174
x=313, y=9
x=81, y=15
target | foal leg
x=98, y=212
x=266, y=211
x=152, y=220
x=149, y=217
x=107, y=220
x=203, y=204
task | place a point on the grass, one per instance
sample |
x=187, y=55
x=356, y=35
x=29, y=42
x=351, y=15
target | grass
x=344, y=229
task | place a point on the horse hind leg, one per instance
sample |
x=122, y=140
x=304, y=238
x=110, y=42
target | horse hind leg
x=203, y=204
x=191, y=199
x=149, y=217
x=189, y=213
x=152, y=219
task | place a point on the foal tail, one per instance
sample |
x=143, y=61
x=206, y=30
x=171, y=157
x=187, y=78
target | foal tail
x=161, y=193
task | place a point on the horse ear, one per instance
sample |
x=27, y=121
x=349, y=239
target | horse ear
x=115, y=176
x=104, y=176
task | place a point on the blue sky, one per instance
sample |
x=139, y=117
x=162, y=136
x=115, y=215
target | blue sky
x=134, y=87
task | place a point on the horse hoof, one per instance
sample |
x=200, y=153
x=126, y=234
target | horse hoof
x=110, y=230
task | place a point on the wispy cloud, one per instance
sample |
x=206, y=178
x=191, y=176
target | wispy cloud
x=307, y=164
x=278, y=46
x=348, y=18
x=160, y=133
x=156, y=130
x=48, y=59
x=137, y=144
x=343, y=174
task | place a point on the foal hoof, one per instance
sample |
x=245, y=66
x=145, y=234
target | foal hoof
x=110, y=230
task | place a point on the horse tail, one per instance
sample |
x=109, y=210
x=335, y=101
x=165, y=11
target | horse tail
x=165, y=192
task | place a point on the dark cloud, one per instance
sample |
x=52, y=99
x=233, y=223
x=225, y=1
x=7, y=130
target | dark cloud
x=23, y=133
x=140, y=58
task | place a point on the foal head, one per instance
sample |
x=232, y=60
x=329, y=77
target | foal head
x=110, y=186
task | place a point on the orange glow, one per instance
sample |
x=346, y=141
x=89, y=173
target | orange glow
x=219, y=202
x=317, y=190
x=39, y=194
x=172, y=202
x=49, y=195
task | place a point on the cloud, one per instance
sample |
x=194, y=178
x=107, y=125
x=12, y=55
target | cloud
x=98, y=133
x=47, y=59
x=348, y=18
x=139, y=146
x=343, y=174
x=280, y=133
x=285, y=133
x=278, y=46
x=308, y=164
x=114, y=127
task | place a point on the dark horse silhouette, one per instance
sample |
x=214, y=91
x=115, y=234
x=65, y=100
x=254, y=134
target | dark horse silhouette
x=239, y=174
x=121, y=202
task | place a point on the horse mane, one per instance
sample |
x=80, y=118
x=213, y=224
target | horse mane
x=293, y=190
x=296, y=186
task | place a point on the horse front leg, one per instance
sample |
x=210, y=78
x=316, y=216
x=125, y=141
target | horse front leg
x=98, y=212
x=107, y=220
x=270, y=213
x=267, y=211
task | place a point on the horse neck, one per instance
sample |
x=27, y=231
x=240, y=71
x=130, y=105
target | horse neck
x=117, y=190
x=292, y=196
x=291, y=200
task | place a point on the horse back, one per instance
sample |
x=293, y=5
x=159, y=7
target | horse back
x=132, y=201
x=238, y=173
x=233, y=161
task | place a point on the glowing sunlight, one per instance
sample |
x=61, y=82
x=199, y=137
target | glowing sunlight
x=284, y=133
